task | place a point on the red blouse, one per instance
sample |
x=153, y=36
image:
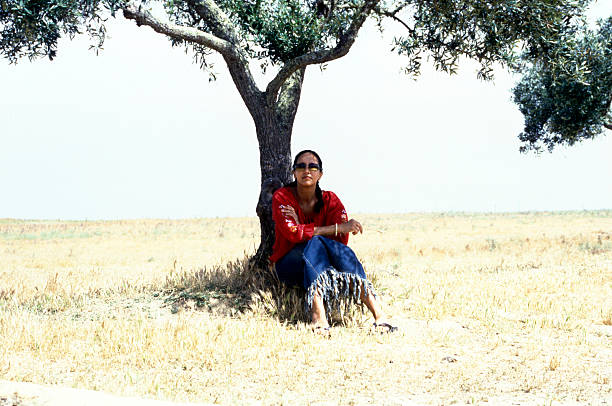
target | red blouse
x=288, y=233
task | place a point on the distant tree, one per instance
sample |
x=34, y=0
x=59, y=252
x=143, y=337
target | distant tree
x=290, y=35
x=567, y=98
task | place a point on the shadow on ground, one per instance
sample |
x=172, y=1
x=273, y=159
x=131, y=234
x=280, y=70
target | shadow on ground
x=233, y=288
x=239, y=287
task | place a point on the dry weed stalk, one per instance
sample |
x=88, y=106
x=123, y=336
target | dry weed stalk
x=245, y=286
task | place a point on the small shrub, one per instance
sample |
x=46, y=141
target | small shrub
x=491, y=244
x=595, y=248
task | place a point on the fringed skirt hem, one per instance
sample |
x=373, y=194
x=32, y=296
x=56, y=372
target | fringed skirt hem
x=333, y=286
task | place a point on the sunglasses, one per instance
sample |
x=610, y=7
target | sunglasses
x=311, y=167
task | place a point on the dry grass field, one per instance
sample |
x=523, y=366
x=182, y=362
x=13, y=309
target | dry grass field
x=496, y=309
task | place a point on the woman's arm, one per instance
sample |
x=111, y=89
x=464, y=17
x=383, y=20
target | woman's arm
x=336, y=214
x=351, y=226
x=340, y=227
x=287, y=223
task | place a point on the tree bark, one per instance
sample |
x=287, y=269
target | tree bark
x=274, y=125
x=275, y=162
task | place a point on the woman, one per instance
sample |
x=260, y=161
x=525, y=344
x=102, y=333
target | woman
x=312, y=230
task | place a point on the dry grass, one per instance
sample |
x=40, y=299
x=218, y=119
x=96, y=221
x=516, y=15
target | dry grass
x=491, y=308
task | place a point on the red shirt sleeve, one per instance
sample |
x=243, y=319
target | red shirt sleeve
x=286, y=225
x=336, y=214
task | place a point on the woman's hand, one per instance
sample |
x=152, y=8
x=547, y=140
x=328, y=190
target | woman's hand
x=290, y=212
x=351, y=226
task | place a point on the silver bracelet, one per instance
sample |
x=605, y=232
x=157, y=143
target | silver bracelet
x=335, y=235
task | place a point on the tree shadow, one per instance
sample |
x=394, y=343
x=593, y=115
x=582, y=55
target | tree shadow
x=233, y=288
x=239, y=287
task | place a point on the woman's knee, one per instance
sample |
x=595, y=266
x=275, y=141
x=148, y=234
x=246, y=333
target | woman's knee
x=317, y=238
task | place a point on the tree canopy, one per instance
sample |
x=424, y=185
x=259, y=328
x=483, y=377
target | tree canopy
x=567, y=99
x=564, y=94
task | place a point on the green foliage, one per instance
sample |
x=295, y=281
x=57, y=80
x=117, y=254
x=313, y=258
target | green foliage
x=566, y=99
x=32, y=27
x=279, y=30
x=293, y=29
x=275, y=30
x=487, y=31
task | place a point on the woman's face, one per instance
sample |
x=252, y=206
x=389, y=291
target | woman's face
x=307, y=177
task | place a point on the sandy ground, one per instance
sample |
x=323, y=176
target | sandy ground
x=30, y=394
x=493, y=309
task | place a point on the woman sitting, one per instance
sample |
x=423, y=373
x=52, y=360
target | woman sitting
x=312, y=230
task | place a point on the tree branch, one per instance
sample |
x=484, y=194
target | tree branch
x=608, y=124
x=289, y=98
x=144, y=17
x=238, y=67
x=216, y=19
x=236, y=61
x=393, y=15
x=325, y=55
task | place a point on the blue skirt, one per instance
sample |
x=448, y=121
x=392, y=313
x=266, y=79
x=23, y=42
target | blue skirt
x=325, y=266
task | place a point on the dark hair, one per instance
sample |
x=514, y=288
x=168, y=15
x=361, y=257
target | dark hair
x=318, y=192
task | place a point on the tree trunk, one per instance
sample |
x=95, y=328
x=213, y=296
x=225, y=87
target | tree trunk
x=274, y=125
x=275, y=162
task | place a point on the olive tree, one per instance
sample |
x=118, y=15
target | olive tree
x=287, y=36
x=567, y=99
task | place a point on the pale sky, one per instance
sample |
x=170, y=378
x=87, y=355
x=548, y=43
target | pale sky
x=139, y=131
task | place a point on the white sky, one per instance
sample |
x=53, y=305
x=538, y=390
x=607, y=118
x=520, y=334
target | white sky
x=140, y=132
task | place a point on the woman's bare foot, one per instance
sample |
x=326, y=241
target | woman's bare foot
x=319, y=318
x=381, y=322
